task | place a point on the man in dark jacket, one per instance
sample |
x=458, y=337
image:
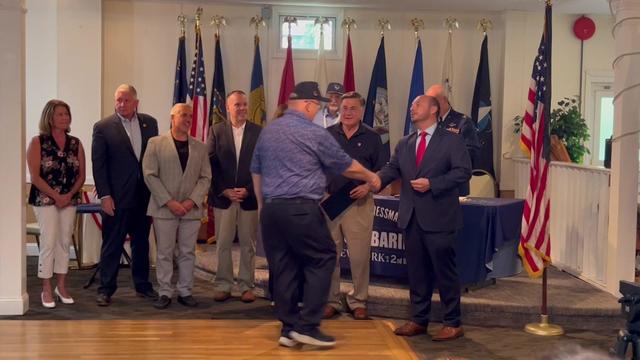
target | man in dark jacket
x=117, y=149
x=231, y=145
x=432, y=163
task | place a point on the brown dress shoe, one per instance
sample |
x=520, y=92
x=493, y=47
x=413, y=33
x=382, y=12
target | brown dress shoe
x=360, y=314
x=248, y=296
x=410, y=329
x=448, y=333
x=329, y=312
x=221, y=296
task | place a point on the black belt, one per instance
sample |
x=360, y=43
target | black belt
x=297, y=200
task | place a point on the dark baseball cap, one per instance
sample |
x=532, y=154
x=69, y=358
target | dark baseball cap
x=307, y=90
x=335, y=88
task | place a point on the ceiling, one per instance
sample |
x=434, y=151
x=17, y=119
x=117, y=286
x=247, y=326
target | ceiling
x=561, y=6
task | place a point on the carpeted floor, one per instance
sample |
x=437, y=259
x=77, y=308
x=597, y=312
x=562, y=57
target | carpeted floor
x=480, y=342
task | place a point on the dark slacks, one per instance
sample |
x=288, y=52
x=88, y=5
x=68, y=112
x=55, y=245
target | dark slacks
x=298, y=246
x=136, y=223
x=431, y=262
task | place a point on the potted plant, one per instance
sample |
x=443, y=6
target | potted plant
x=569, y=126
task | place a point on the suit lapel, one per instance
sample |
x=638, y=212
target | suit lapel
x=122, y=133
x=145, y=133
x=432, y=149
x=232, y=143
x=411, y=143
x=247, y=137
x=190, y=161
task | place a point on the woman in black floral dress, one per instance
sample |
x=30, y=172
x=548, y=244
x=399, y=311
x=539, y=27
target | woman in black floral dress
x=57, y=166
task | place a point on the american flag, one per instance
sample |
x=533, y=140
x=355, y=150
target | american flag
x=198, y=93
x=535, y=245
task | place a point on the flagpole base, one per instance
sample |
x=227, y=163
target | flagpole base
x=543, y=328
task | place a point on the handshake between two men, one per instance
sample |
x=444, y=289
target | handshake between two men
x=373, y=181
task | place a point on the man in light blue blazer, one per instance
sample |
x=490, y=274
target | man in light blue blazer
x=176, y=169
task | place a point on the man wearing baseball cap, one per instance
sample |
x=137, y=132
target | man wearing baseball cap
x=290, y=165
x=330, y=114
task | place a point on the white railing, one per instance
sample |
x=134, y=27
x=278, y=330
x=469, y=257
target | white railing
x=579, y=217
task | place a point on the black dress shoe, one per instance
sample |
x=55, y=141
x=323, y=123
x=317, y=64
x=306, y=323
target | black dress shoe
x=162, y=303
x=187, y=301
x=103, y=300
x=148, y=294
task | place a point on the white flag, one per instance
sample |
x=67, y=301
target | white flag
x=321, y=65
x=447, y=69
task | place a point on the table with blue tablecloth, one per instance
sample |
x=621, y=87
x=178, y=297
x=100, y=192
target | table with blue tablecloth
x=486, y=246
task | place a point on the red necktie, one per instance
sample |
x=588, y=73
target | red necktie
x=422, y=147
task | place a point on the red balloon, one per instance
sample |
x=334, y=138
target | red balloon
x=584, y=28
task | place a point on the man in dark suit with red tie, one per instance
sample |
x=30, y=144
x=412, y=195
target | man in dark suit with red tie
x=118, y=146
x=432, y=163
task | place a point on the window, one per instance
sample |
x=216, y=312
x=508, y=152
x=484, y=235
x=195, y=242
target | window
x=305, y=34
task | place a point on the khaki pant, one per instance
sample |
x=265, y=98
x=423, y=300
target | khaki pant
x=227, y=220
x=354, y=225
x=56, y=230
x=176, y=235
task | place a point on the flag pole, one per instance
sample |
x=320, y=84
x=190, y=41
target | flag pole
x=544, y=328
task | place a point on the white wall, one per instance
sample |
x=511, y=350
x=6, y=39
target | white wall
x=139, y=40
x=63, y=60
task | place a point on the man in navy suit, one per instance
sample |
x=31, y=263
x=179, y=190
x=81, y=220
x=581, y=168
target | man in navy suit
x=432, y=163
x=119, y=143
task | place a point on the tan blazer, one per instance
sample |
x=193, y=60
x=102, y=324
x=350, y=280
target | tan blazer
x=166, y=181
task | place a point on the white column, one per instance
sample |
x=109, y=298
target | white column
x=13, y=278
x=624, y=161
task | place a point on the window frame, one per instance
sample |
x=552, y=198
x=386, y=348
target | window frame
x=280, y=11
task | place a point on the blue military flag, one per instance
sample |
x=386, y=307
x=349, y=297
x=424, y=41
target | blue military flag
x=217, y=106
x=417, y=87
x=376, y=113
x=481, y=111
x=180, y=86
x=257, y=112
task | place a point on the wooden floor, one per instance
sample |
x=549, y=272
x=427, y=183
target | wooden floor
x=190, y=339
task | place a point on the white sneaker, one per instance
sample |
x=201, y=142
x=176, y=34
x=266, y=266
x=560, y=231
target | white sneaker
x=287, y=341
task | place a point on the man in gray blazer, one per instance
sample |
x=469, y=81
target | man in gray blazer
x=176, y=170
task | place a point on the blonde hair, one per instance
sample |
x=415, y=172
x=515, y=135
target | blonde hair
x=47, y=116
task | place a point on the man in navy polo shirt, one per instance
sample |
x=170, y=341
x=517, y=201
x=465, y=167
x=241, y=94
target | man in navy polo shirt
x=291, y=162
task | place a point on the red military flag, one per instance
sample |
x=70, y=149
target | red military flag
x=535, y=245
x=287, y=83
x=349, y=81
